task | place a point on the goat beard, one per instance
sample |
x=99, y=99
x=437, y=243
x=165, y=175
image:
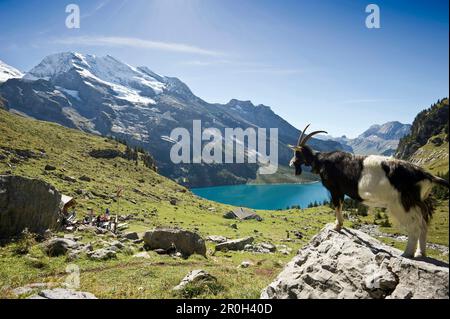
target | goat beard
x=298, y=170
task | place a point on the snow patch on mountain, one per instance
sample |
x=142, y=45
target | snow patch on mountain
x=8, y=72
x=129, y=83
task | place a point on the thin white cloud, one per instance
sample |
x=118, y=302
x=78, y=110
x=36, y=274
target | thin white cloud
x=96, y=9
x=135, y=43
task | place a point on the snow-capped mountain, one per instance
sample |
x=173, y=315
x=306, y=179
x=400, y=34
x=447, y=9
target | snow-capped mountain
x=8, y=72
x=105, y=96
x=377, y=140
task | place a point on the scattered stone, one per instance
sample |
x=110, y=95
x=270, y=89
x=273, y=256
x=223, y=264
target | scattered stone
x=49, y=168
x=143, y=254
x=22, y=291
x=122, y=226
x=216, y=239
x=27, y=204
x=131, y=236
x=69, y=179
x=173, y=202
x=236, y=244
x=245, y=264
x=61, y=293
x=352, y=265
x=59, y=246
x=185, y=242
x=160, y=251
x=85, y=178
x=102, y=254
x=195, y=276
x=234, y=226
x=262, y=248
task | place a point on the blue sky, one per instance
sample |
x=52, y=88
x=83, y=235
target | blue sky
x=311, y=61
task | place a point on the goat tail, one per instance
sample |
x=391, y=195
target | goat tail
x=440, y=181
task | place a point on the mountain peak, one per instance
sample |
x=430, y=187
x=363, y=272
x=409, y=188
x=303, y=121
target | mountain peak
x=8, y=72
x=393, y=130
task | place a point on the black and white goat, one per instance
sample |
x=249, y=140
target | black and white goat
x=376, y=181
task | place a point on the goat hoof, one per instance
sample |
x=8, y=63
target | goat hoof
x=407, y=255
x=338, y=228
x=419, y=255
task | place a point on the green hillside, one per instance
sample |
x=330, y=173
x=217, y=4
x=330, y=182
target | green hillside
x=153, y=201
x=147, y=195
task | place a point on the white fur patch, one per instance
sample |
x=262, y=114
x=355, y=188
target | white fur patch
x=374, y=187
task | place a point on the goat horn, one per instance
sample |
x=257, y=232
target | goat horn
x=301, y=135
x=308, y=137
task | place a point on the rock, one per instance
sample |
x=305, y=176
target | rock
x=22, y=291
x=234, y=226
x=185, y=242
x=60, y=293
x=263, y=248
x=49, y=168
x=76, y=253
x=353, y=265
x=116, y=246
x=69, y=179
x=160, y=251
x=143, y=254
x=122, y=226
x=173, y=202
x=102, y=254
x=216, y=239
x=85, y=178
x=59, y=246
x=195, y=276
x=237, y=244
x=245, y=264
x=131, y=236
x=27, y=203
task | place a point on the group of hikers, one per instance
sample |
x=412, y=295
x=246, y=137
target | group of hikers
x=102, y=221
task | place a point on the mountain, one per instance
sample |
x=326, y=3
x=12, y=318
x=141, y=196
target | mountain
x=388, y=131
x=427, y=144
x=377, y=140
x=8, y=72
x=105, y=96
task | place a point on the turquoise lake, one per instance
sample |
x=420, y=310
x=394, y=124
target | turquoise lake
x=271, y=197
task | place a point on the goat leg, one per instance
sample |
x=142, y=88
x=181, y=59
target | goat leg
x=339, y=217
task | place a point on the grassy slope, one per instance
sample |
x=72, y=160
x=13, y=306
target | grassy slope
x=68, y=150
x=127, y=277
x=432, y=157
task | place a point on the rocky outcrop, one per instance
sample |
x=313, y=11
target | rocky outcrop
x=183, y=241
x=27, y=203
x=353, y=265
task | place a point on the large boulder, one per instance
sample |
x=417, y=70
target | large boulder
x=59, y=246
x=185, y=242
x=27, y=203
x=353, y=265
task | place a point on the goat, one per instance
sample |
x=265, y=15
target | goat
x=400, y=187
